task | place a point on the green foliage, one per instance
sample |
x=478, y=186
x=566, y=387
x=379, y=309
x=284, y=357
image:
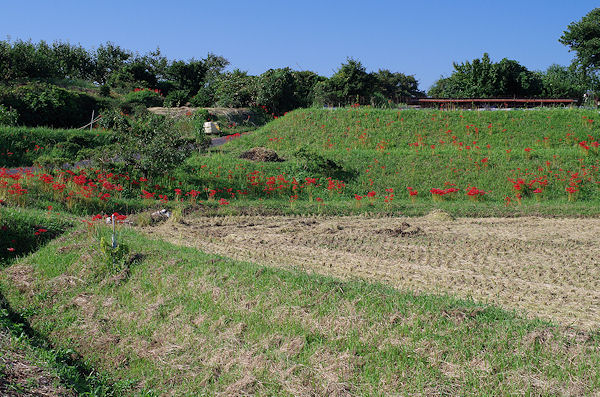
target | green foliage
x=235, y=89
x=275, y=89
x=205, y=97
x=21, y=146
x=114, y=257
x=563, y=82
x=134, y=73
x=40, y=104
x=152, y=145
x=483, y=78
x=109, y=58
x=396, y=86
x=8, y=117
x=187, y=76
x=144, y=96
x=583, y=37
x=176, y=98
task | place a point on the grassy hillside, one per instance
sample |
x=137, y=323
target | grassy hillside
x=513, y=158
x=174, y=319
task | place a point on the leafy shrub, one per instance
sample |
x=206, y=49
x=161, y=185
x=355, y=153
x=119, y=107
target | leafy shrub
x=8, y=117
x=40, y=104
x=104, y=90
x=205, y=97
x=176, y=98
x=152, y=145
x=146, y=97
x=202, y=115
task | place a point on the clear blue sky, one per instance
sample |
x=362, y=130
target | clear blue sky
x=421, y=38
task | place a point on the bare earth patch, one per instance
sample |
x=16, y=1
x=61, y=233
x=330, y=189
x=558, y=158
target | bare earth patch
x=548, y=268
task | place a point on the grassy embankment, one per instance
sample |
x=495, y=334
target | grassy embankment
x=374, y=150
x=168, y=319
x=26, y=146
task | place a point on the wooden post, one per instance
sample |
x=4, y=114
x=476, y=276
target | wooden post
x=92, y=120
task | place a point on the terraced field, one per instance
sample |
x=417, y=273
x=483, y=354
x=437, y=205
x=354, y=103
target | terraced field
x=540, y=266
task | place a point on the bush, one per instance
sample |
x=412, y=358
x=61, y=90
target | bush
x=152, y=145
x=8, y=117
x=204, y=98
x=144, y=96
x=39, y=104
x=176, y=98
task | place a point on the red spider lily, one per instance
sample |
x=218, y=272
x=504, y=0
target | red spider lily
x=413, y=193
x=357, y=197
x=371, y=194
x=147, y=195
x=11, y=249
x=119, y=218
x=223, y=202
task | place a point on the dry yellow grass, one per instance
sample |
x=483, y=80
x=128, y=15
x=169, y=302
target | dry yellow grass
x=547, y=268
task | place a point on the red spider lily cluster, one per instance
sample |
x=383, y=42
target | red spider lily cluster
x=157, y=91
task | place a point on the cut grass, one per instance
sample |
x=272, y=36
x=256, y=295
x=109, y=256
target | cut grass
x=182, y=322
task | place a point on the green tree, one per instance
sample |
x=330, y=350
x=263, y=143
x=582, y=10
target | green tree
x=187, y=76
x=109, y=58
x=583, y=37
x=72, y=61
x=483, y=78
x=235, y=89
x=563, y=82
x=352, y=82
x=396, y=86
x=275, y=90
x=304, y=87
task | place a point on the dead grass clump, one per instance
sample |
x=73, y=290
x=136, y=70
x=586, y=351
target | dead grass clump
x=404, y=230
x=438, y=215
x=262, y=154
x=334, y=371
x=459, y=315
x=22, y=277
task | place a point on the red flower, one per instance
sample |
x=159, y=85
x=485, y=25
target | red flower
x=11, y=249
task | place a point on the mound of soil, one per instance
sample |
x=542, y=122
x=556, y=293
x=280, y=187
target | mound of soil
x=261, y=154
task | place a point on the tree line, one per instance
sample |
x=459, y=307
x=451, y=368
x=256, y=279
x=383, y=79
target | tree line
x=34, y=76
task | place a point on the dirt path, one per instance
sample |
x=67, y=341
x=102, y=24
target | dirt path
x=546, y=267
